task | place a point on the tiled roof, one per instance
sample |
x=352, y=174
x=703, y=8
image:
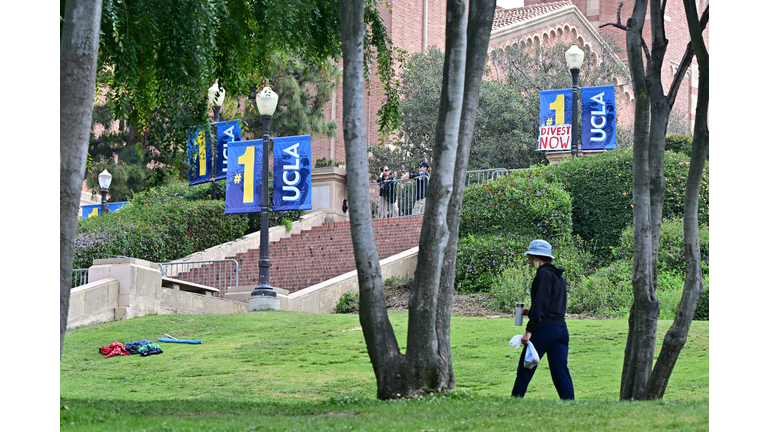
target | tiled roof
x=505, y=17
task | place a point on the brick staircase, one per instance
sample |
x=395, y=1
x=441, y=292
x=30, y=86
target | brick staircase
x=325, y=252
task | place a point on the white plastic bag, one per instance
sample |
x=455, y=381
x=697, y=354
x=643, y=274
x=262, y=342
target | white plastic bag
x=531, y=357
x=515, y=341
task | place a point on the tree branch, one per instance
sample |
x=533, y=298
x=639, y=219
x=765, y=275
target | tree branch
x=686, y=61
x=617, y=24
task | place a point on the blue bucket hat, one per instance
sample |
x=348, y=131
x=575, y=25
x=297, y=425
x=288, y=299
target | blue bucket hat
x=540, y=248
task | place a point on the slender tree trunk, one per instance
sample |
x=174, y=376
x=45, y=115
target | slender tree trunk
x=481, y=14
x=379, y=336
x=641, y=337
x=676, y=336
x=79, y=51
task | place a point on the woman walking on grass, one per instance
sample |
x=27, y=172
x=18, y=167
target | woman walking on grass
x=546, y=329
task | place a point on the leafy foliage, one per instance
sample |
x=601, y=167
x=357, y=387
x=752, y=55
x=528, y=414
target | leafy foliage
x=157, y=233
x=326, y=162
x=129, y=174
x=601, y=190
x=671, y=257
x=606, y=293
x=349, y=302
x=303, y=89
x=522, y=204
x=158, y=58
x=500, y=218
x=702, y=308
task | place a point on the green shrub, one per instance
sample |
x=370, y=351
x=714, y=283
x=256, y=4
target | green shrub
x=702, y=308
x=158, y=233
x=601, y=191
x=511, y=286
x=480, y=259
x=606, y=293
x=671, y=254
x=521, y=205
x=681, y=144
x=349, y=302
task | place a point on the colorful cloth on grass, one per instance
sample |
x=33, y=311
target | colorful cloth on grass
x=133, y=347
x=150, y=349
x=114, y=349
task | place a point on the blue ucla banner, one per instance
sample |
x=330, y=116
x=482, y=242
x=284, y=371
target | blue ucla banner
x=555, y=121
x=292, y=173
x=91, y=210
x=244, y=177
x=598, y=118
x=226, y=132
x=200, y=156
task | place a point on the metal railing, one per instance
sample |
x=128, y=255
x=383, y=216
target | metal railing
x=220, y=274
x=405, y=194
x=485, y=175
x=79, y=277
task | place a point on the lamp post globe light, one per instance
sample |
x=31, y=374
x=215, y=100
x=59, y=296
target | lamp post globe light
x=266, y=102
x=105, y=179
x=215, y=98
x=574, y=58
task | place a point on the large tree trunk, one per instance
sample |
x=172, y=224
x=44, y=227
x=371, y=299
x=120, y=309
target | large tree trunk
x=426, y=366
x=676, y=336
x=79, y=52
x=429, y=372
x=481, y=14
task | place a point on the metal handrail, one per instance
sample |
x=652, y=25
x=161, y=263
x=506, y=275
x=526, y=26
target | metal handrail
x=406, y=193
x=212, y=273
x=79, y=277
x=485, y=175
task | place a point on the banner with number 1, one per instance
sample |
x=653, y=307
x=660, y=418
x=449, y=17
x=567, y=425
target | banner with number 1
x=244, y=177
x=555, y=120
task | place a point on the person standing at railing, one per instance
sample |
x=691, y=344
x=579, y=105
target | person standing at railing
x=422, y=181
x=387, y=194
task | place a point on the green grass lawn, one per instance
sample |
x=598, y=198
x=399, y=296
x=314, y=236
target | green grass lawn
x=300, y=371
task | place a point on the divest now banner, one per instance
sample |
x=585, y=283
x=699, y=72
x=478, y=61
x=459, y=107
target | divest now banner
x=244, y=177
x=555, y=120
x=226, y=132
x=598, y=118
x=292, y=173
x=200, y=157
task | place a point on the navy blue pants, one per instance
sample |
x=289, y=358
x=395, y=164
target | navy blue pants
x=548, y=340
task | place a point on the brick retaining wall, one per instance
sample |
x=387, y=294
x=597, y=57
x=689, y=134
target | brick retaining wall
x=325, y=252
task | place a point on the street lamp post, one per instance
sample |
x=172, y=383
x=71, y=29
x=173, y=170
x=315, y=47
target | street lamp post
x=215, y=98
x=105, y=179
x=266, y=102
x=574, y=58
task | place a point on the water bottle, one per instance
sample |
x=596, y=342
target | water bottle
x=519, y=314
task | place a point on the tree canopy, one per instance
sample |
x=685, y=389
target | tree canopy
x=158, y=58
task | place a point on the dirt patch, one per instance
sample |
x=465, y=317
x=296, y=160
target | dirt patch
x=463, y=304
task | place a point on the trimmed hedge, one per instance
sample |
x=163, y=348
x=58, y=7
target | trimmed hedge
x=159, y=225
x=601, y=190
x=158, y=233
x=523, y=205
x=498, y=221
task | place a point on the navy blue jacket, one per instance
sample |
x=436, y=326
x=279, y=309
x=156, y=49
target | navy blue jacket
x=548, y=298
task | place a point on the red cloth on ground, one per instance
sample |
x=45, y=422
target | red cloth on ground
x=115, y=348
